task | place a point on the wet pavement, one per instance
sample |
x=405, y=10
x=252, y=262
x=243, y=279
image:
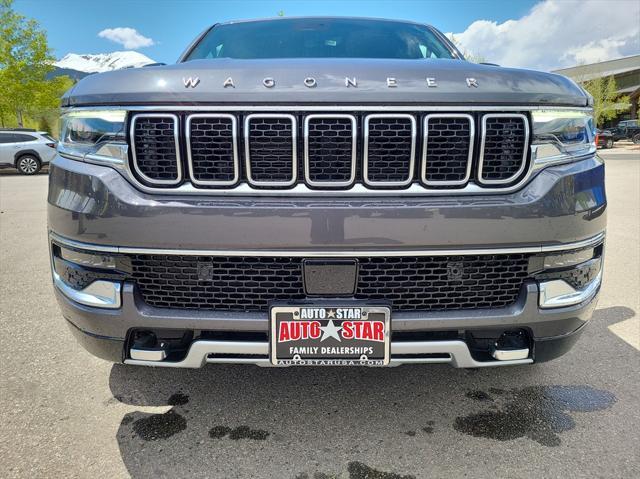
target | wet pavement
x=67, y=414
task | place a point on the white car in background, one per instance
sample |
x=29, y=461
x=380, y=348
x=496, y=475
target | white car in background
x=26, y=150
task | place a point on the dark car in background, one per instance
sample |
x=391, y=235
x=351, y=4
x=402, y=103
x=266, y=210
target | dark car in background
x=604, y=139
x=627, y=130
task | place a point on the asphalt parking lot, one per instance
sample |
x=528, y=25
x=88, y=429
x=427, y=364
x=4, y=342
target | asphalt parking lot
x=64, y=413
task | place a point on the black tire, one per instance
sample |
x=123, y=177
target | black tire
x=28, y=165
x=609, y=144
x=636, y=139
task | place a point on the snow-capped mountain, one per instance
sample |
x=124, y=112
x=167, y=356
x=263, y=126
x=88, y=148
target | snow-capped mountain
x=103, y=62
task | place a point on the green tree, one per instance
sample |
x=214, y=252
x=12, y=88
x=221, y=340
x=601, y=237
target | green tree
x=606, y=102
x=25, y=63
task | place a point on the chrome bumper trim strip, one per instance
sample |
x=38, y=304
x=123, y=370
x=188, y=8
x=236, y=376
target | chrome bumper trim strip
x=510, y=354
x=200, y=354
x=594, y=240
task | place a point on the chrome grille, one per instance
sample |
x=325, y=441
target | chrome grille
x=448, y=149
x=155, y=149
x=503, y=152
x=230, y=283
x=270, y=149
x=212, y=150
x=389, y=149
x=360, y=152
x=330, y=150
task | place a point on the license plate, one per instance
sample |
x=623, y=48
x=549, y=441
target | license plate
x=335, y=335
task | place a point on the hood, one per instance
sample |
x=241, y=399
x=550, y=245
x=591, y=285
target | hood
x=165, y=85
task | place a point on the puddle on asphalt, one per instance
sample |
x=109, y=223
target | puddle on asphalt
x=178, y=399
x=540, y=413
x=159, y=426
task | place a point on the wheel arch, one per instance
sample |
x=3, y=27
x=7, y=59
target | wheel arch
x=22, y=153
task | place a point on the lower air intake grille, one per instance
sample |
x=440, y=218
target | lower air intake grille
x=504, y=148
x=251, y=283
x=155, y=148
x=220, y=283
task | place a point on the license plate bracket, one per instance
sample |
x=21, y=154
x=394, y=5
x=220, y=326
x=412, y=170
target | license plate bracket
x=340, y=334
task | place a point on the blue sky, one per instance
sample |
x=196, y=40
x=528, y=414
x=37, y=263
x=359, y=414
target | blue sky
x=542, y=34
x=73, y=26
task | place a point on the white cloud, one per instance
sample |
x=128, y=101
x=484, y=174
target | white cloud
x=558, y=33
x=128, y=37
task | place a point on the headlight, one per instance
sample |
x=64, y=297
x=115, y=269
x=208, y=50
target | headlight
x=93, y=135
x=562, y=135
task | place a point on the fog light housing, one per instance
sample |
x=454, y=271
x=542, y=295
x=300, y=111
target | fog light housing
x=88, y=278
x=99, y=294
x=511, y=345
x=557, y=293
x=567, y=278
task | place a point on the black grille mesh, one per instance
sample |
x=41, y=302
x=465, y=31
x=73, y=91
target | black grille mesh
x=447, y=149
x=444, y=282
x=270, y=149
x=251, y=283
x=220, y=283
x=389, y=149
x=212, y=149
x=155, y=147
x=503, y=148
x=330, y=147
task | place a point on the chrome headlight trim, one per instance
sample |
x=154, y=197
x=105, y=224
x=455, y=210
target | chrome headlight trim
x=562, y=135
x=97, y=135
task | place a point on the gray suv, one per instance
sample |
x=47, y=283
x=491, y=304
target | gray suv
x=326, y=191
x=26, y=150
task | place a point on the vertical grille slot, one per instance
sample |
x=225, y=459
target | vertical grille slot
x=503, y=151
x=389, y=149
x=212, y=152
x=448, y=149
x=154, y=148
x=270, y=149
x=330, y=150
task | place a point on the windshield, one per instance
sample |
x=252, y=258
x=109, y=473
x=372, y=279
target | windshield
x=320, y=38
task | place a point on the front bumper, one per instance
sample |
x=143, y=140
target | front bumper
x=561, y=207
x=564, y=325
x=103, y=329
